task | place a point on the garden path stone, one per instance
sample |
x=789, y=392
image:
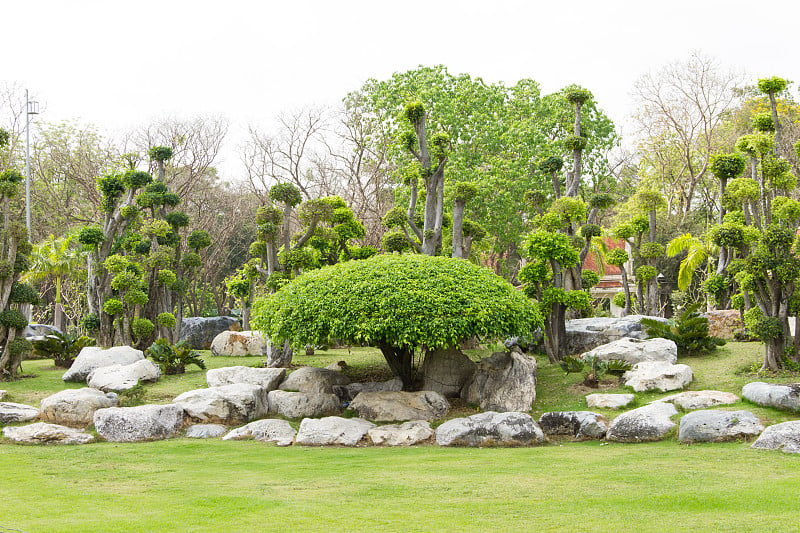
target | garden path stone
x=312, y=379
x=718, y=426
x=239, y=344
x=405, y=434
x=198, y=332
x=75, y=407
x=446, y=371
x=303, y=404
x=123, y=377
x=609, y=401
x=267, y=430
x=332, y=430
x=785, y=397
x=93, y=357
x=656, y=375
x=206, y=431
x=44, y=433
x=784, y=437
x=636, y=350
x=584, y=334
x=700, y=399
x=267, y=378
x=11, y=412
x=581, y=425
x=392, y=406
x=490, y=429
x=504, y=381
x=140, y=423
x=649, y=423
x=228, y=404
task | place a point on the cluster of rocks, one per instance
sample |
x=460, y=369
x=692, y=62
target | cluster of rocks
x=112, y=369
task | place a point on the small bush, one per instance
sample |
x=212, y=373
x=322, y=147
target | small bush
x=689, y=332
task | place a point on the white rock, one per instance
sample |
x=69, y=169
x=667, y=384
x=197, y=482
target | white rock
x=229, y=404
x=303, y=404
x=701, y=399
x=658, y=376
x=123, y=377
x=583, y=334
x=490, y=429
x=267, y=430
x=609, y=401
x=781, y=396
x=312, y=379
x=143, y=422
x=239, y=344
x=784, y=437
x=332, y=430
x=17, y=412
x=206, y=431
x=93, y=357
x=75, y=407
x=398, y=406
x=43, y=433
x=636, y=350
x=405, y=434
x=267, y=378
x=352, y=390
x=718, y=426
x=504, y=381
x=649, y=423
x=580, y=425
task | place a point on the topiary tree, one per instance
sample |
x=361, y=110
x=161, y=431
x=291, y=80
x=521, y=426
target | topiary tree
x=462, y=193
x=772, y=87
x=406, y=305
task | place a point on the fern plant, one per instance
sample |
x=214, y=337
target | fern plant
x=62, y=347
x=593, y=368
x=174, y=359
x=689, y=332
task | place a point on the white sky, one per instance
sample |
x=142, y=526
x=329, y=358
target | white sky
x=120, y=64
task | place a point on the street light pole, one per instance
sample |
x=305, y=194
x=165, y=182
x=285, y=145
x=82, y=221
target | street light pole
x=31, y=108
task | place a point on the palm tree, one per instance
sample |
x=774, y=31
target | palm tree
x=697, y=253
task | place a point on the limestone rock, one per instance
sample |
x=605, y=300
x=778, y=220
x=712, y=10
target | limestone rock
x=718, y=426
x=658, y=376
x=267, y=430
x=785, y=397
x=338, y=366
x=391, y=406
x=332, y=430
x=405, y=434
x=228, y=404
x=16, y=412
x=140, y=423
x=123, y=377
x=446, y=371
x=266, y=378
x=75, y=407
x=312, y=379
x=649, y=423
x=609, y=401
x=584, y=334
x=784, y=437
x=348, y=392
x=724, y=323
x=490, y=429
x=198, y=332
x=205, y=431
x=303, y=404
x=700, y=399
x=93, y=357
x=636, y=350
x=44, y=433
x=239, y=344
x=581, y=425
x=505, y=381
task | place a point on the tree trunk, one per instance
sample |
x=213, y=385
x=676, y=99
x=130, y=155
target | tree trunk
x=400, y=361
x=458, y=226
x=773, y=354
x=627, y=290
x=280, y=357
x=555, y=334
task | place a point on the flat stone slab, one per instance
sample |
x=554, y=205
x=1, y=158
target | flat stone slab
x=581, y=425
x=649, y=423
x=701, y=399
x=11, y=412
x=786, y=397
x=239, y=344
x=44, y=433
x=267, y=378
x=584, y=334
x=609, y=401
x=348, y=392
x=490, y=429
x=784, y=437
x=392, y=406
x=228, y=404
x=267, y=430
x=76, y=407
x=93, y=357
x=405, y=434
x=206, y=431
x=635, y=351
x=140, y=423
x=303, y=404
x=718, y=426
x=661, y=376
x=123, y=377
x=332, y=430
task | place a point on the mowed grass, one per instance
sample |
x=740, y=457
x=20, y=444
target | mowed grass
x=210, y=485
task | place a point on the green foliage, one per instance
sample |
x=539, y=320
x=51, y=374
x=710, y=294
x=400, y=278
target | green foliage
x=715, y=285
x=765, y=328
x=569, y=209
x=727, y=235
x=4, y=137
x=6, y=269
x=577, y=95
x=191, y=260
x=472, y=229
x=166, y=277
x=198, y=240
x=414, y=112
x=91, y=236
x=166, y=320
x=174, y=359
x=111, y=188
x=63, y=348
x=113, y=307
x=394, y=241
x=651, y=250
x=617, y=257
x=268, y=215
x=177, y=219
x=551, y=164
x=589, y=279
x=755, y=144
x=13, y=319
x=645, y=273
x=649, y=200
x=601, y=201
x=135, y=179
x=572, y=142
x=142, y=328
x=763, y=122
x=91, y=322
x=728, y=166
x=546, y=246
x=772, y=85
x=362, y=252
x=11, y=176
x=22, y=293
x=786, y=210
x=19, y=347
x=135, y=297
x=591, y=230
x=238, y=286
x=277, y=280
x=619, y=299
x=285, y=193
x=689, y=332
x=160, y=153
x=465, y=191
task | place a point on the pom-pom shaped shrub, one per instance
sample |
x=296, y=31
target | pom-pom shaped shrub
x=113, y=307
x=573, y=142
x=142, y=328
x=763, y=122
x=111, y=188
x=414, y=111
x=727, y=235
x=728, y=166
x=177, y=219
x=13, y=319
x=589, y=279
x=591, y=230
x=394, y=241
x=198, y=240
x=160, y=153
x=465, y=191
x=551, y=164
x=577, y=95
x=166, y=277
x=268, y=214
x=772, y=85
x=191, y=260
x=285, y=193
x=166, y=320
x=651, y=250
x=646, y=272
x=601, y=201
x=136, y=179
x=22, y=293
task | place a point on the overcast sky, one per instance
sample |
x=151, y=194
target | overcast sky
x=120, y=64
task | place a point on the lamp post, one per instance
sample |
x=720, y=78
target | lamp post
x=31, y=108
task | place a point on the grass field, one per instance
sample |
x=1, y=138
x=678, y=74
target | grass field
x=211, y=485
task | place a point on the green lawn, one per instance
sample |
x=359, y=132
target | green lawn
x=211, y=485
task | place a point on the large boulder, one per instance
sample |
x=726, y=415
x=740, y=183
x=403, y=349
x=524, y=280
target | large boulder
x=405, y=434
x=198, y=332
x=332, y=430
x=229, y=404
x=206, y=431
x=267, y=430
x=785, y=397
x=718, y=426
x=75, y=407
x=636, y=350
x=700, y=399
x=17, y=412
x=784, y=437
x=93, y=357
x=584, y=334
x=490, y=429
x=312, y=379
x=140, y=423
x=725, y=323
x=123, y=377
x=303, y=404
x=350, y=391
x=267, y=378
x=649, y=423
x=504, y=381
x=580, y=425
x=239, y=344
x=609, y=401
x=446, y=371
x=399, y=406
x=44, y=433
x=657, y=375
